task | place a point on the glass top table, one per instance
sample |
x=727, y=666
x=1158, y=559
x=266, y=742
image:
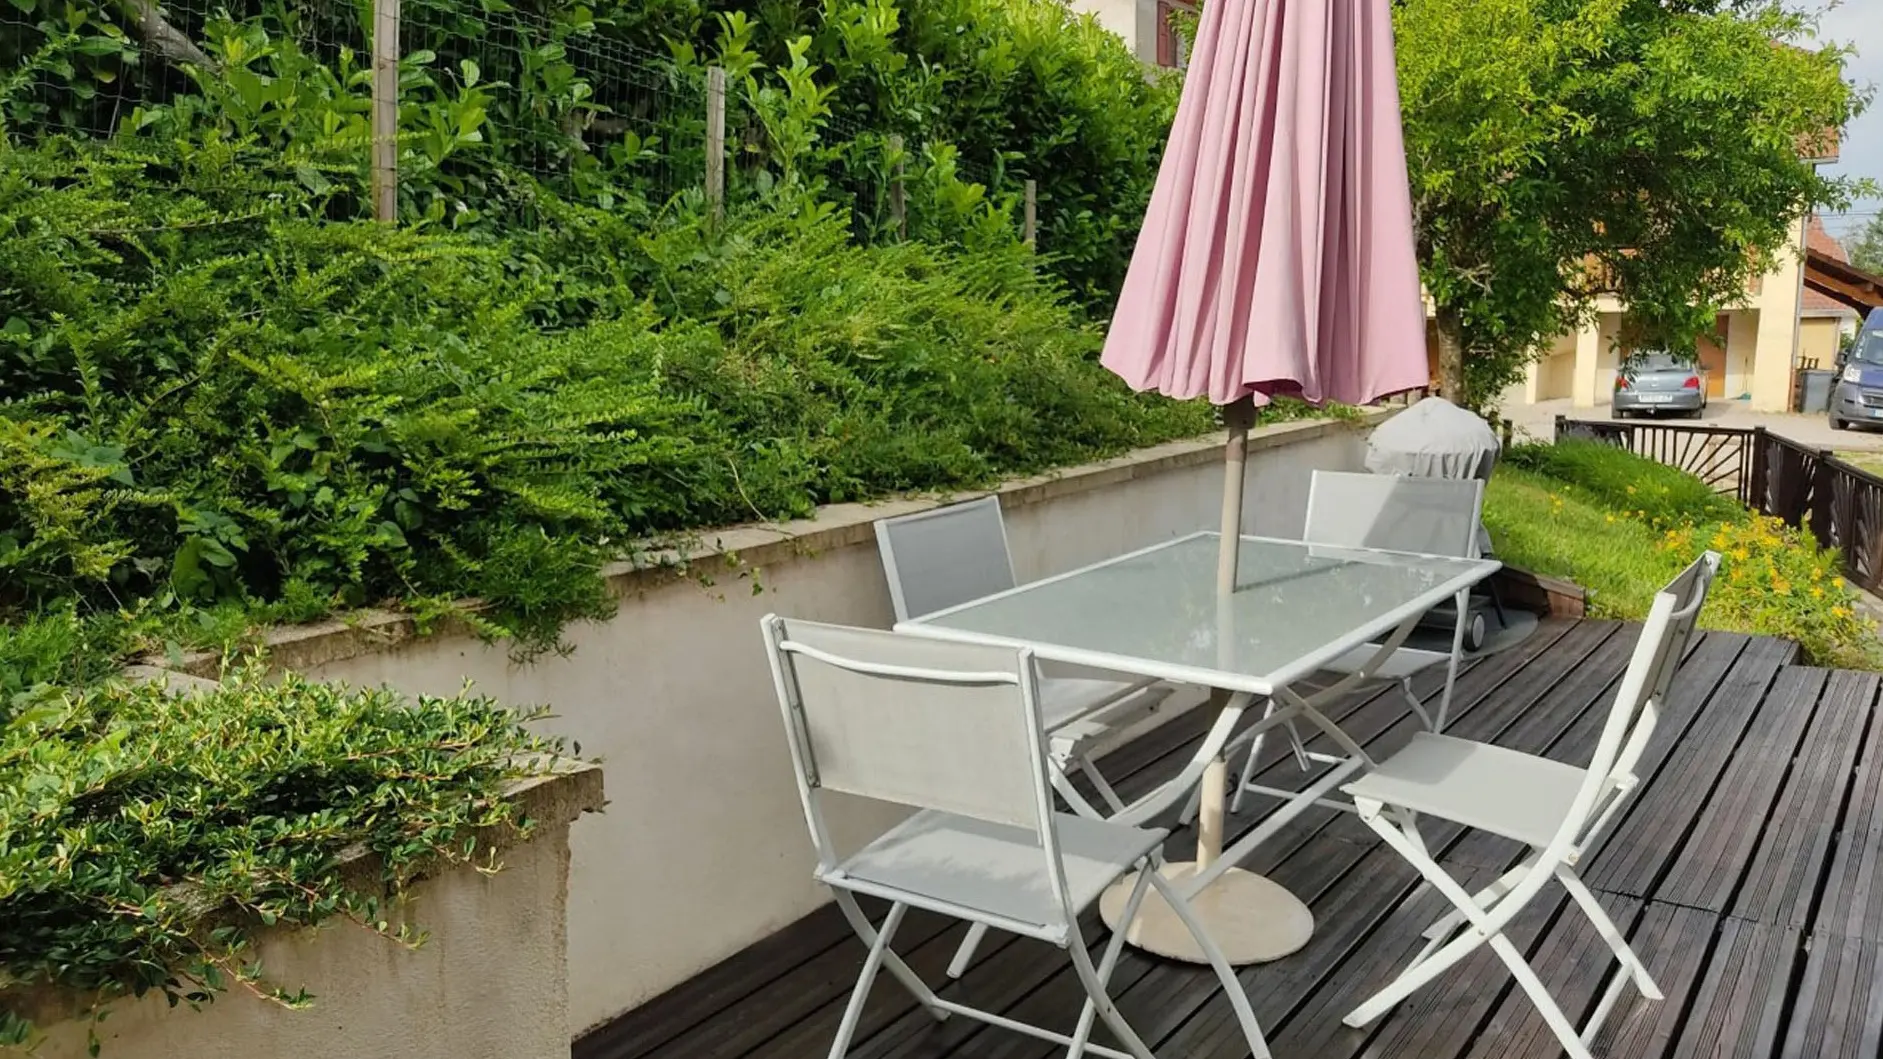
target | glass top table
x=1156, y=612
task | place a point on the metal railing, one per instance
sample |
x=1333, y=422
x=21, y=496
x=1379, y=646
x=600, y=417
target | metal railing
x=1810, y=489
x=1722, y=457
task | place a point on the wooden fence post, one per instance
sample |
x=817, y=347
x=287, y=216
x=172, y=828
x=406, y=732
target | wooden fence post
x=1029, y=230
x=385, y=185
x=898, y=205
x=716, y=142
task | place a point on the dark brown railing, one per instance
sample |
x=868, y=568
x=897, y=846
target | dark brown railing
x=1811, y=489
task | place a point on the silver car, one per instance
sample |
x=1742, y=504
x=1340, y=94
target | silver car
x=1653, y=382
x=1857, y=396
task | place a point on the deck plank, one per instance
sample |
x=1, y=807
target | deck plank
x=713, y=991
x=1739, y=1006
x=1839, y=1011
x=1631, y=859
x=1852, y=903
x=1675, y=943
x=1782, y=883
x=1710, y=863
x=1575, y=965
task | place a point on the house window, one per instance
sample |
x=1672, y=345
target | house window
x=1171, y=50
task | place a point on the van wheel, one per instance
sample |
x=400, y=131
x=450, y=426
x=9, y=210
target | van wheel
x=1839, y=424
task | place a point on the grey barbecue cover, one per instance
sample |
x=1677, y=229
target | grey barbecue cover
x=1434, y=439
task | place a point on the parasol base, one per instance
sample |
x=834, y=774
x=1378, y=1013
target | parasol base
x=1251, y=918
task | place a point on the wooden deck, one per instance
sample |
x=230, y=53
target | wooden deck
x=1748, y=870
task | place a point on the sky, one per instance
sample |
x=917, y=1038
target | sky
x=1859, y=22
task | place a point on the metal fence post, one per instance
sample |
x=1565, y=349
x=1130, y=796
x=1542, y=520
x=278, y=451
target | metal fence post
x=898, y=206
x=1757, y=495
x=385, y=182
x=716, y=143
x=1824, y=500
x=1029, y=230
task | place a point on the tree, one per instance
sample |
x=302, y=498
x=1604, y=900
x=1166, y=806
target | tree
x=1561, y=150
x=1866, y=247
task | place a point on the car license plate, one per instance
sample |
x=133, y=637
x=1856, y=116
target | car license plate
x=1876, y=413
x=1662, y=398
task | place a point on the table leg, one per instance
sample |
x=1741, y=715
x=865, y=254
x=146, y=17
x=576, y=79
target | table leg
x=1209, y=823
x=1252, y=918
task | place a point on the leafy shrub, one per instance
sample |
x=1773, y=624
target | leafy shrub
x=1775, y=579
x=128, y=812
x=606, y=102
x=1662, y=496
x=213, y=398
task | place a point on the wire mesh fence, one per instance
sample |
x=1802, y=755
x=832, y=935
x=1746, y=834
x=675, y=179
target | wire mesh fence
x=473, y=97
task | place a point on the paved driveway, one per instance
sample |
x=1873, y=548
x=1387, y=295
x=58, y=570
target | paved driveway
x=1814, y=430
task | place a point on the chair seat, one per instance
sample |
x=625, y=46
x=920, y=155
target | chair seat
x=939, y=859
x=1505, y=792
x=1401, y=664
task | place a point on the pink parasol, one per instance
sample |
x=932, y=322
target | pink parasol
x=1276, y=257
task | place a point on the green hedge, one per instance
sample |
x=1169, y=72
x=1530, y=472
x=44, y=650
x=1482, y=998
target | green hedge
x=213, y=397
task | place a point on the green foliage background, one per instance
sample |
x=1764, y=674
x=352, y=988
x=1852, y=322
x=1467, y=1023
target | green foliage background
x=214, y=396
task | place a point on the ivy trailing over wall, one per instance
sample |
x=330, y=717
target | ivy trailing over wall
x=146, y=837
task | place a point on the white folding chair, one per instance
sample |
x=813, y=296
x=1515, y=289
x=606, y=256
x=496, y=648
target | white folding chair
x=956, y=554
x=956, y=731
x=1425, y=516
x=1553, y=808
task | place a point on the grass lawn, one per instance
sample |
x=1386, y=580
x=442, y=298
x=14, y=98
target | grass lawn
x=1865, y=461
x=1546, y=526
x=1622, y=527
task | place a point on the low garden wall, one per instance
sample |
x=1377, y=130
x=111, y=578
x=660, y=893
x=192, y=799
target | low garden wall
x=488, y=980
x=702, y=850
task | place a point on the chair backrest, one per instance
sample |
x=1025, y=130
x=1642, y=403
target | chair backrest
x=945, y=557
x=1644, y=687
x=922, y=723
x=1430, y=516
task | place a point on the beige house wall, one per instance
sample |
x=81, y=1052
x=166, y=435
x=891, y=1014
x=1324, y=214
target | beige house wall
x=1819, y=338
x=1133, y=20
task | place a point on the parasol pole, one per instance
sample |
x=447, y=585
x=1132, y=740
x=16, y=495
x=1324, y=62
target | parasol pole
x=1238, y=416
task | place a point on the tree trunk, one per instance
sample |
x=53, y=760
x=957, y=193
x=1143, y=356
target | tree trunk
x=171, y=44
x=1451, y=356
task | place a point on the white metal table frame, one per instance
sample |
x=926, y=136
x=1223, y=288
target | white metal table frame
x=1285, y=706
